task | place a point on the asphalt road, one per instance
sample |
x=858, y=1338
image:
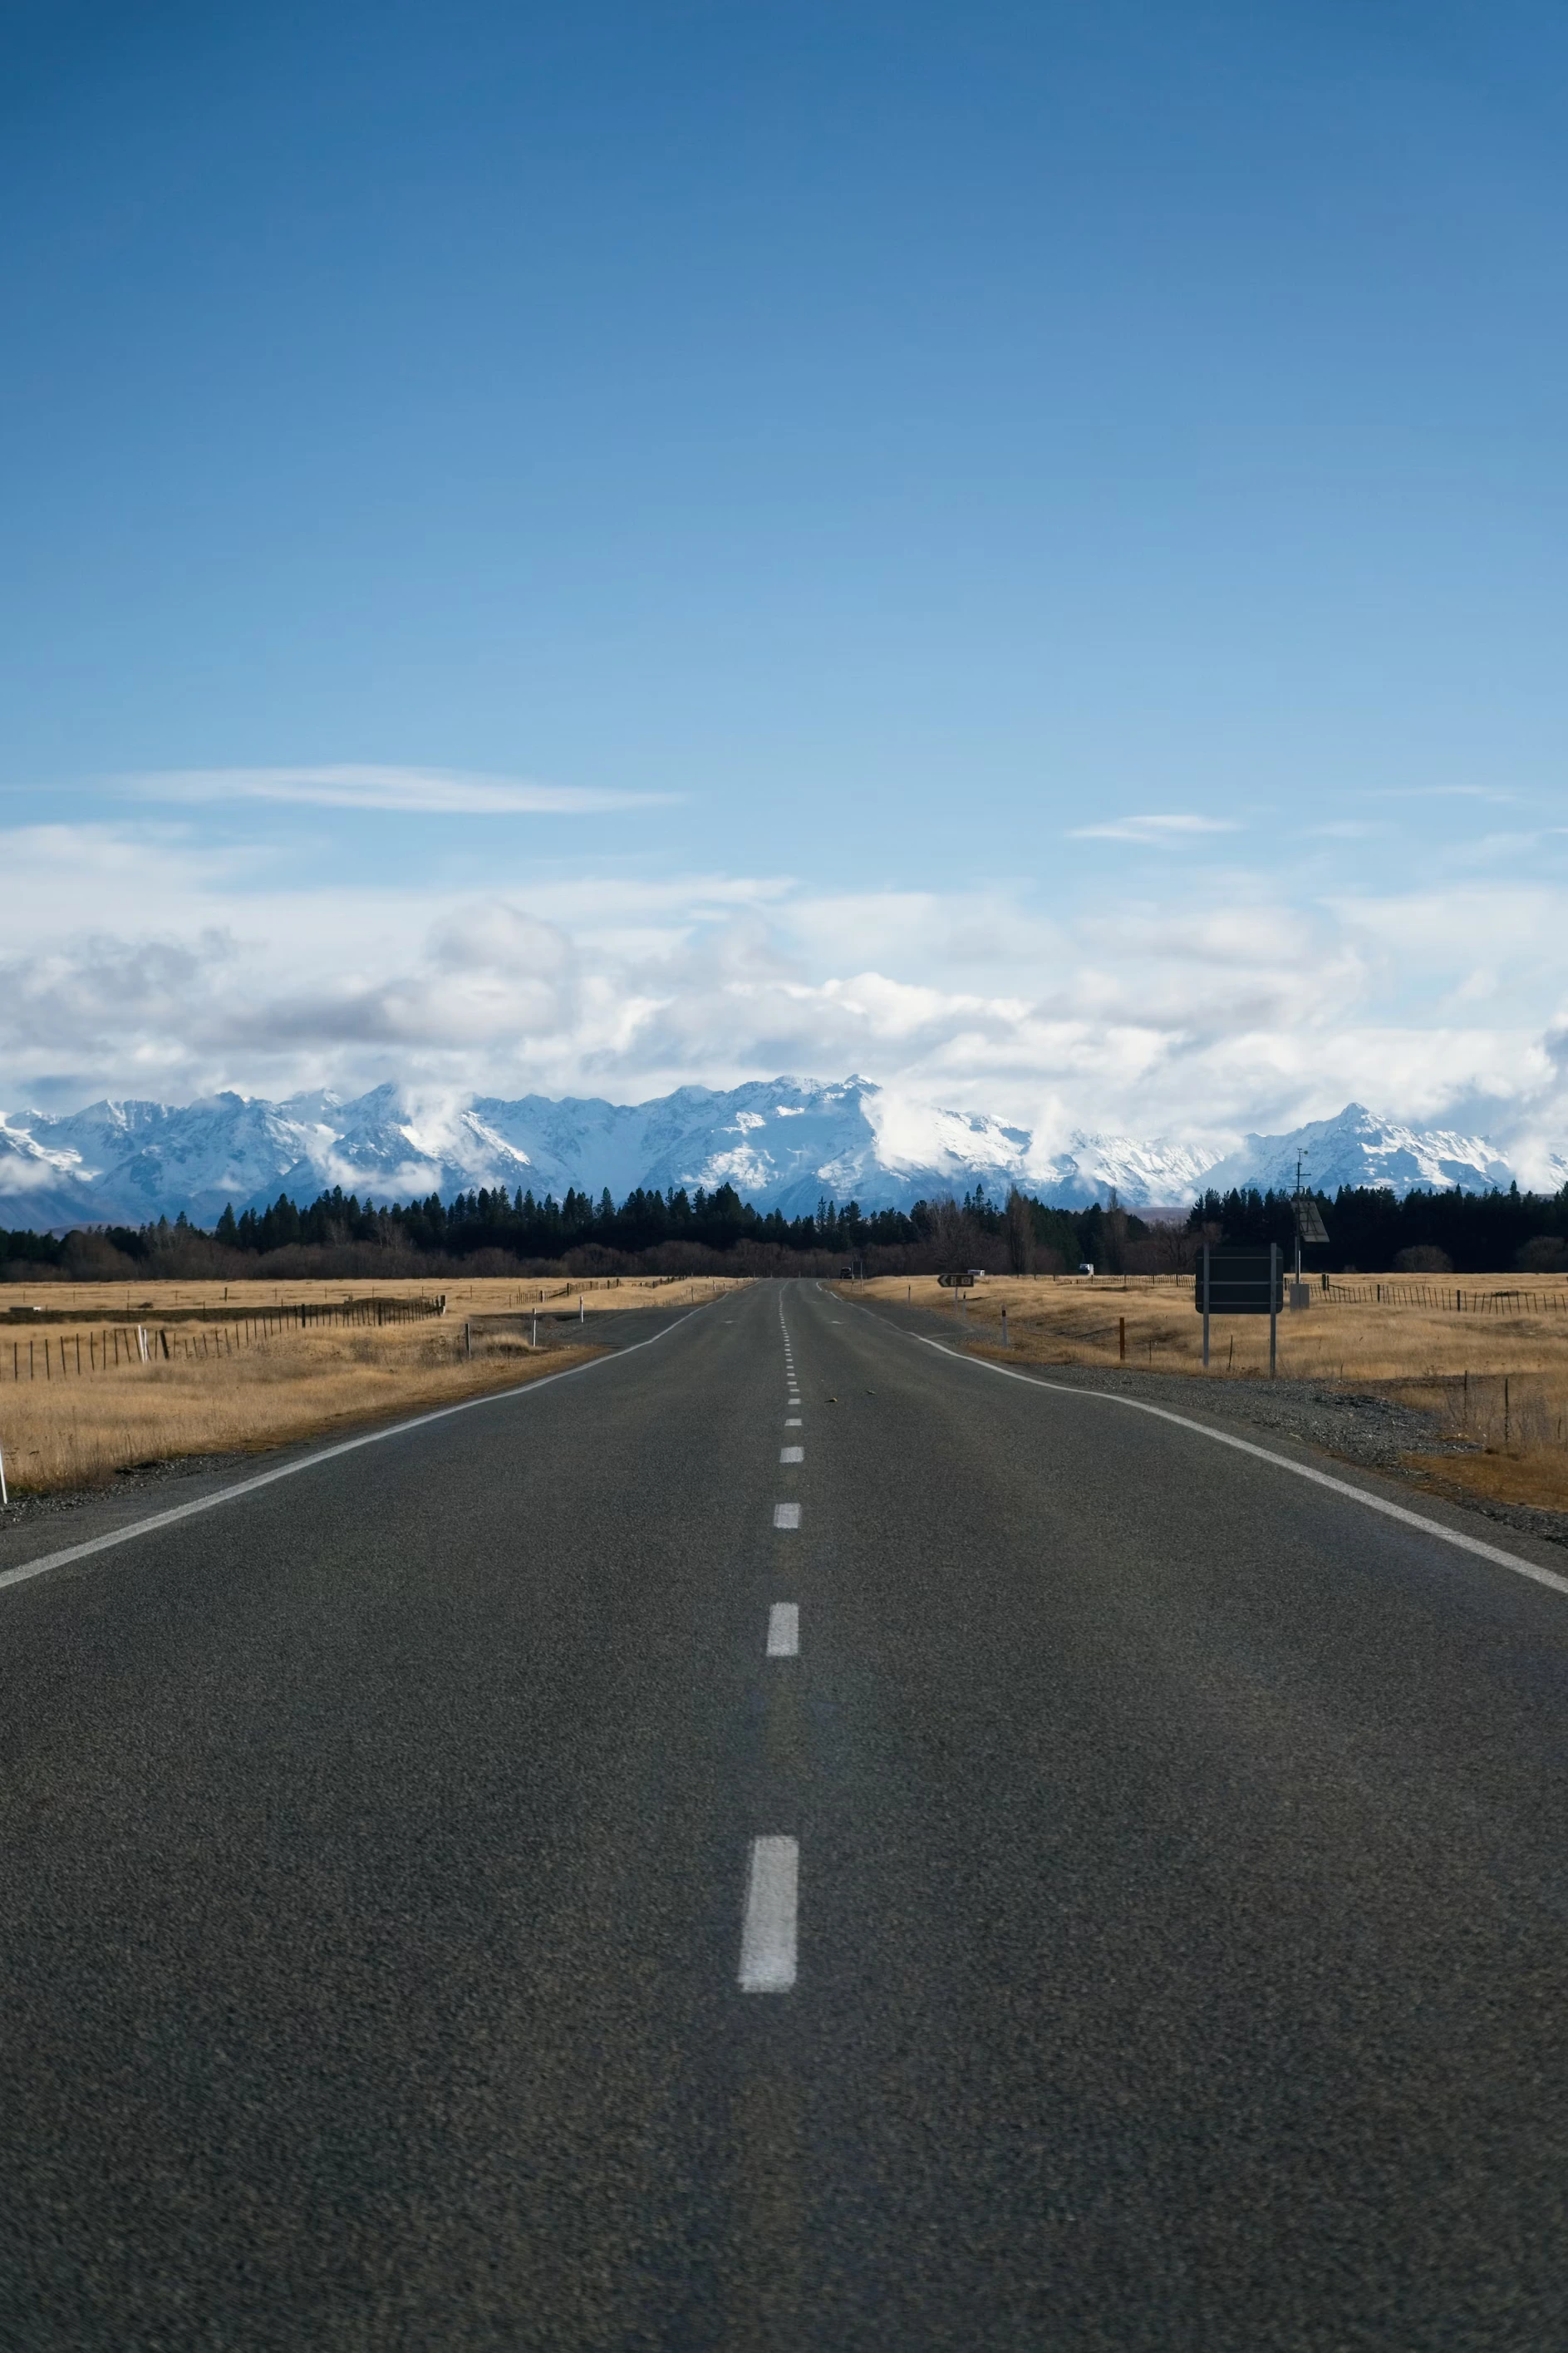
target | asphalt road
x=1179, y=1959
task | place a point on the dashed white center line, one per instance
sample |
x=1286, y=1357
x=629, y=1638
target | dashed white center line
x=773, y=1904
x=792, y=1454
x=792, y=1422
x=786, y=1515
x=784, y=1631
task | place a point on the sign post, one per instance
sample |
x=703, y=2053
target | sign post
x=1242, y=1282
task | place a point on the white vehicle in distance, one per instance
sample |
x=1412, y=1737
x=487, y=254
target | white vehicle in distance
x=1085, y=1268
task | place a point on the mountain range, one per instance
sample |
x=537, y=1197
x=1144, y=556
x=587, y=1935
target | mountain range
x=781, y=1142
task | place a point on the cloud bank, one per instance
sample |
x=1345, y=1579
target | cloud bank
x=1218, y=1007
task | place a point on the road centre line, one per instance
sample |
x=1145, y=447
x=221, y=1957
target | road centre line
x=792, y=1454
x=52, y=1560
x=768, y=1937
x=784, y=1631
x=792, y=1422
x=1512, y=1560
x=786, y=1515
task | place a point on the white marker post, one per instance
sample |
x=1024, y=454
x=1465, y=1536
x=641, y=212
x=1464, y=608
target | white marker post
x=4, y=1498
x=1273, y=1307
x=1205, y=1308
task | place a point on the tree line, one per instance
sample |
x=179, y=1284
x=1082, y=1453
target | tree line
x=675, y=1230
x=493, y=1230
x=1373, y=1232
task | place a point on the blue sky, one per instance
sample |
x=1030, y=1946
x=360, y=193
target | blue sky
x=1017, y=549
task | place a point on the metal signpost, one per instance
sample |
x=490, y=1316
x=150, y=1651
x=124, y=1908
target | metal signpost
x=1241, y=1282
x=1309, y=1229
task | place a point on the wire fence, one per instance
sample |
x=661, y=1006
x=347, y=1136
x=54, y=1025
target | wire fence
x=1450, y=1298
x=123, y=1346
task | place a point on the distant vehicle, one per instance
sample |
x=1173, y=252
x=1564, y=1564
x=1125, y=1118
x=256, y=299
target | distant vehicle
x=1085, y=1268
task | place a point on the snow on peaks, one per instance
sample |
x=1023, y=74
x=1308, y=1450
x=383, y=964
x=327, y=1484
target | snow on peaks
x=782, y=1143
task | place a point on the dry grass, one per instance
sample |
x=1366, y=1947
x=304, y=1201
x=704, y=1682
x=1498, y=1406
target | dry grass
x=233, y=1382
x=484, y=1296
x=69, y=1433
x=1497, y=1384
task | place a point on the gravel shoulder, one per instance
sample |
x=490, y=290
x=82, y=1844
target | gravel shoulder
x=1356, y=1426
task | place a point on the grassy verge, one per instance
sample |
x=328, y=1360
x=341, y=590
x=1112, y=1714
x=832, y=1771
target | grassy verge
x=74, y=1432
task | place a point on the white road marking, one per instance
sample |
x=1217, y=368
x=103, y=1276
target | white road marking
x=773, y=1908
x=784, y=1631
x=792, y=1422
x=51, y=1560
x=786, y=1515
x=792, y=1454
x=1513, y=1560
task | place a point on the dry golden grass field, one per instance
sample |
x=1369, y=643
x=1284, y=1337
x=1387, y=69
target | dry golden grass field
x=1493, y=1369
x=265, y=1364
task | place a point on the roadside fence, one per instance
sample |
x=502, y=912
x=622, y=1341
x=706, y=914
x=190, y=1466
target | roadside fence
x=119, y=1347
x=1448, y=1297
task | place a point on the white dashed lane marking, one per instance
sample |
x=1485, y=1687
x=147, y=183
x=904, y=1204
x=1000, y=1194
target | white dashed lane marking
x=784, y=1631
x=773, y=1905
x=792, y=1422
x=786, y=1515
x=792, y=1454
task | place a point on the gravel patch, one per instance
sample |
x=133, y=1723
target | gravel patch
x=154, y=1486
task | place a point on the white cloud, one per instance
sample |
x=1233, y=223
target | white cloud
x=435, y=791
x=1182, y=826
x=135, y=961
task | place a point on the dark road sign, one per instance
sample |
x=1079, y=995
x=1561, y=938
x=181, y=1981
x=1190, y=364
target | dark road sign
x=1242, y=1282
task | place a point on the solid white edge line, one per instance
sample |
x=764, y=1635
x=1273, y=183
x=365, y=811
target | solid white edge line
x=773, y=1903
x=1513, y=1560
x=40, y=1567
x=784, y=1631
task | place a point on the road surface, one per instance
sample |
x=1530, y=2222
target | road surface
x=1079, y=1886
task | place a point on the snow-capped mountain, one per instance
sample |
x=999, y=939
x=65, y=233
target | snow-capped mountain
x=1358, y=1148
x=781, y=1142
